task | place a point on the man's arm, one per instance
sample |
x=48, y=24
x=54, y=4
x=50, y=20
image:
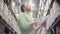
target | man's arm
x=32, y=23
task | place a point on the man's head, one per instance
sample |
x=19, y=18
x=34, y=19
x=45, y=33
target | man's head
x=25, y=7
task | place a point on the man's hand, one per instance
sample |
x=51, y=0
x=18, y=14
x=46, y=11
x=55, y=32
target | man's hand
x=43, y=24
x=32, y=23
x=37, y=28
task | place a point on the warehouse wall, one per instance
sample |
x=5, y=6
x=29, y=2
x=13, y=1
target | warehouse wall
x=54, y=10
x=52, y=7
x=8, y=17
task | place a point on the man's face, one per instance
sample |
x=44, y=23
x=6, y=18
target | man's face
x=27, y=7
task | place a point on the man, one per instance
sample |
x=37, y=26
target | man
x=25, y=20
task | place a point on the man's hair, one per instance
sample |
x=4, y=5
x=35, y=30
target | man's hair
x=22, y=10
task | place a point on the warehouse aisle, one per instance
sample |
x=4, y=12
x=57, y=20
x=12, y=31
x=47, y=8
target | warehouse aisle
x=43, y=11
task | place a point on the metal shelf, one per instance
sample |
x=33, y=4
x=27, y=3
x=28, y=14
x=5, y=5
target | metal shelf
x=2, y=21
